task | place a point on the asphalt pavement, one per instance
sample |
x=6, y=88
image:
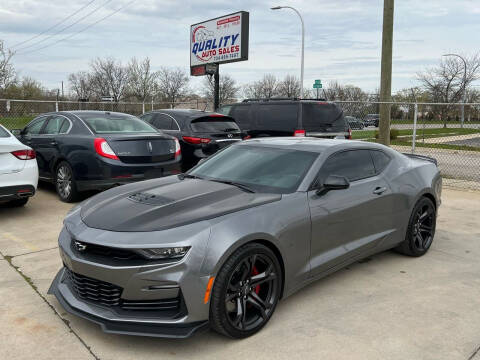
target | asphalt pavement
x=385, y=307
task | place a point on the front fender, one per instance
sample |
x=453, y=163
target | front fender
x=284, y=224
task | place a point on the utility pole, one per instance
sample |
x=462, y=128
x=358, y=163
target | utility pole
x=216, y=91
x=62, y=89
x=386, y=72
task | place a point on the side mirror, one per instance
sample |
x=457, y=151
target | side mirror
x=16, y=132
x=333, y=182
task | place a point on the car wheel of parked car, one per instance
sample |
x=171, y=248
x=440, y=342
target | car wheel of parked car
x=65, y=182
x=246, y=291
x=18, y=203
x=420, y=230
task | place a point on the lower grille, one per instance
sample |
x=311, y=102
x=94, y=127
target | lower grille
x=97, y=291
x=107, y=294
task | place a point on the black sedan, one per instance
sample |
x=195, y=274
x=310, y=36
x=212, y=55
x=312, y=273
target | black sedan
x=200, y=133
x=96, y=150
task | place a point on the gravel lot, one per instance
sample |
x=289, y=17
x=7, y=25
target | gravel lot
x=386, y=307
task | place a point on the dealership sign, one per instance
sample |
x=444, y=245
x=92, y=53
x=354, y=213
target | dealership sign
x=220, y=40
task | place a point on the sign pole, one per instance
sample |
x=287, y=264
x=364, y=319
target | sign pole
x=216, y=92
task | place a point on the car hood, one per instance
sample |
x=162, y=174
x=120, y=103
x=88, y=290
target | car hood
x=166, y=203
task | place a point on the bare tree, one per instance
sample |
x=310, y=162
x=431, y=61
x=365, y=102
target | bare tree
x=109, y=78
x=171, y=84
x=337, y=91
x=228, y=88
x=81, y=84
x=445, y=82
x=141, y=79
x=7, y=71
x=289, y=87
x=252, y=90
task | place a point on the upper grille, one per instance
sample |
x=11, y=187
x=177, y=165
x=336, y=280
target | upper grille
x=107, y=252
x=107, y=294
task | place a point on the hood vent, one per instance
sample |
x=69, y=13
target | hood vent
x=150, y=199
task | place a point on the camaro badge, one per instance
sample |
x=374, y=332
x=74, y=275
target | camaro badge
x=80, y=246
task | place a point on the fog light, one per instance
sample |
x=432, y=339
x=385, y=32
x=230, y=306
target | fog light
x=164, y=253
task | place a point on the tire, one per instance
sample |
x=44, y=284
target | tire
x=18, y=203
x=238, y=308
x=420, y=230
x=65, y=183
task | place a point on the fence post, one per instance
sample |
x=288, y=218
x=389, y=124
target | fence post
x=414, y=135
x=56, y=106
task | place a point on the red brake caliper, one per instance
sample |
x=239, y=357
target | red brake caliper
x=255, y=272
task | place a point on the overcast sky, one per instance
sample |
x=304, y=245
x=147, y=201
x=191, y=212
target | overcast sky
x=343, y=37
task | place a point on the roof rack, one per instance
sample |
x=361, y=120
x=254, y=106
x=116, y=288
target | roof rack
x=279, y=99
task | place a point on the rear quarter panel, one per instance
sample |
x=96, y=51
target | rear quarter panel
x=411, y=179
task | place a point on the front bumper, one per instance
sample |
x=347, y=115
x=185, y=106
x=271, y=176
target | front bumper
x=96, y=277
x=110, y=323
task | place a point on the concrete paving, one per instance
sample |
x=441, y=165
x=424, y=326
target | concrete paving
x=386, y=307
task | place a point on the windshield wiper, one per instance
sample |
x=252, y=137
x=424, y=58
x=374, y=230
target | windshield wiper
x=240, y=186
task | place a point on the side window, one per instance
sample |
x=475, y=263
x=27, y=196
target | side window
x=241, y=114
x=147, y=117
x=35, y=127
x=353, y=164
x=65, y=127
x=380, y=160
x=162, y=122
x=54, y=125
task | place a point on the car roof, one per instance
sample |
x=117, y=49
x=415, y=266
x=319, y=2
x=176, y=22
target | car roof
x=311, y=144
x=189, y=114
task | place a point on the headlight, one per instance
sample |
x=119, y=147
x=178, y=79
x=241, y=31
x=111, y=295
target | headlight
x=164, y=253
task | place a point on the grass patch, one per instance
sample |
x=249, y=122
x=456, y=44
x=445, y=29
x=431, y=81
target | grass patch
x=429, y=132
x=436, y=146
x=16, y=122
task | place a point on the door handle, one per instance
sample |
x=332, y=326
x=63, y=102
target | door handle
x=379, y=190
x=53, y=143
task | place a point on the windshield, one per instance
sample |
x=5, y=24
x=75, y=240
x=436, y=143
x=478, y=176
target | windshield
x=261, y=168
x=116, y=123
x=214, y=124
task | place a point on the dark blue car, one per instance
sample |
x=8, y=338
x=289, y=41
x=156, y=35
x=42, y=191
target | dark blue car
x=96, y=150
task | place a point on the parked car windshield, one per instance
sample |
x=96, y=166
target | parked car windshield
x=116, y=123
x=214, y=124
x=263, y=169
x=4, y=133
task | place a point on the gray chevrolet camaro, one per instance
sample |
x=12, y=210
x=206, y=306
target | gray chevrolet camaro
x=220, y=245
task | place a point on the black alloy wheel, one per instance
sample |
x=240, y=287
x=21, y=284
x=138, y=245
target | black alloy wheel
x=246, y=291
x=421, y=229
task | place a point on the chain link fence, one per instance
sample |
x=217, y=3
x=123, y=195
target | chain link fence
x=434, y=130
x=15, y=114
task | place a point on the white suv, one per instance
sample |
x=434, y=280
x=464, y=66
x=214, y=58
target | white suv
x=18, y=170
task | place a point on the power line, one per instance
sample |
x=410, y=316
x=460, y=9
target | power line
x=54, y=26
x=82, y=30
x=66, y=27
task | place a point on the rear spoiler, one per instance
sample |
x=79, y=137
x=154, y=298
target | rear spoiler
x=422, y=157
